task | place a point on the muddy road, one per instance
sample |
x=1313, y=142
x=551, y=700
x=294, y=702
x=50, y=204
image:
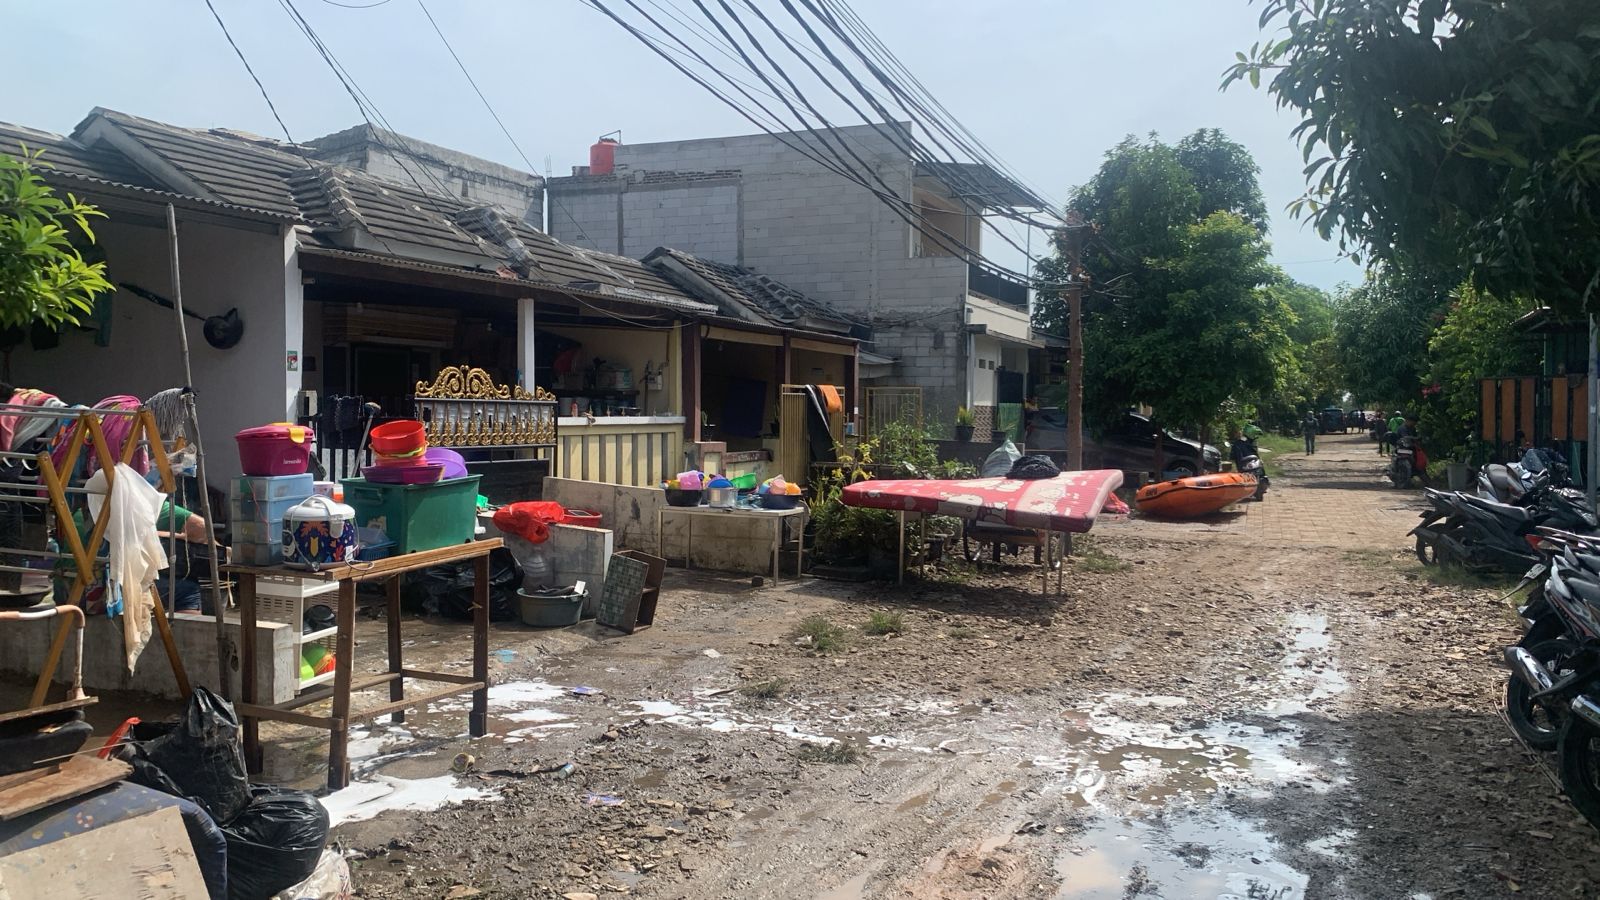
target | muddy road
x=1277, y=704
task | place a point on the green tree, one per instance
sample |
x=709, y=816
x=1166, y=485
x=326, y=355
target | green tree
x=1176, y=312
x=43, y=277
x=1457, y=135
x=1381, y=333
x=1476, y=340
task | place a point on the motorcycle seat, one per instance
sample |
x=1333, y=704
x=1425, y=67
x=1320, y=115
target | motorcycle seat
x=1501, y=510
x=1506, y=486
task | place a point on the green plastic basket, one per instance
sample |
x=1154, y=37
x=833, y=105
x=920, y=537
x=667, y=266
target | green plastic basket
x=417, y=516
x=745, y=482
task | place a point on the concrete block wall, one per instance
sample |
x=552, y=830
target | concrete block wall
x=582, y=554
x=23, y=646
x=699, y=218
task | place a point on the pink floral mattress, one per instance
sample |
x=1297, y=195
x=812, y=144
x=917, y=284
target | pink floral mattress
x=1068, y=502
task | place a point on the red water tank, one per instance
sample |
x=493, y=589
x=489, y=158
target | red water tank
x=602, y=156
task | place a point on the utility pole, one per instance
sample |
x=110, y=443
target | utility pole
x=1591, y=473
x=1072, y=247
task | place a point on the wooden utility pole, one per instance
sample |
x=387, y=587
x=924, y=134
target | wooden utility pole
x=1072, y=247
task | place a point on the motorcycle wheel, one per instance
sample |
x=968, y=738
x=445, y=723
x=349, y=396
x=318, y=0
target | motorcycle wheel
x=1532, y=721
x=1427, y=552
x=1400, y=474
x=1580, y=767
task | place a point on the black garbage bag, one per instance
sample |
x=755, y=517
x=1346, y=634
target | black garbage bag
x=447, y=590
x=274, y=843
x=200, y=758
x=1032, y=468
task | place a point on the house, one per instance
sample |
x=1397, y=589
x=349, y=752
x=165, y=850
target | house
x=352, y=283
x=938, y=318
x=1549, y=409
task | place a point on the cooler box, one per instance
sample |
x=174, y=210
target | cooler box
x=417, y=516
x=280, y=449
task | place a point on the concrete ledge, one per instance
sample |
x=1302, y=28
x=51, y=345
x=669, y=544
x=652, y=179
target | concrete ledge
x=23, y=646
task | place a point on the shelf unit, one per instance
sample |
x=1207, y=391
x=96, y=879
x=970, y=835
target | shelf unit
x=282, y=598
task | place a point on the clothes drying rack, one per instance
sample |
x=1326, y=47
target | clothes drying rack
x=52, y=490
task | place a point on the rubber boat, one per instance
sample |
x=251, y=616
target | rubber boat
x=1189, y=498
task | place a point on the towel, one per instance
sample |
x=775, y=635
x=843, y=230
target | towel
x=136, y=553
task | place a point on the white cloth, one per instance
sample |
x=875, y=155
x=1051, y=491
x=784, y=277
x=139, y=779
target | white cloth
x=136, y=553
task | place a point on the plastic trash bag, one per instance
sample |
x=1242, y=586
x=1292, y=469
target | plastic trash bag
x=275, y=843
x=447, y=590
x=201, y=758
x=1000, y=460
x=330, y=881
x=1031, y=468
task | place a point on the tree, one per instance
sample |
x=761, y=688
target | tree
x=1176, y=315
x=43, y=277
x=1447, y=134
x=1476, y=340
x=1381, y=333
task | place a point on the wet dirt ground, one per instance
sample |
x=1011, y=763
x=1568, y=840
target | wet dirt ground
x=1274, y=704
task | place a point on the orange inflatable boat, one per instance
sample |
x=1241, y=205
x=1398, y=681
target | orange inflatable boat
x=1188, y=498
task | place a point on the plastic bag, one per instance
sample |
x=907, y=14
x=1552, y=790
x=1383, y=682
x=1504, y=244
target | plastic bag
x=275, y=843
x=1031, y=468
x=530, y=519
x=330, y=881
x=201, y=758
x=447, y=590
x=1000, y=461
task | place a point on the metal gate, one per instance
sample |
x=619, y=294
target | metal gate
x=893, y=404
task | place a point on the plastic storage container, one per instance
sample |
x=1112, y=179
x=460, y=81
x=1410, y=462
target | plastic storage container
x=417, y=516
x=275, y=450
x=265, y=488
x=557, y=609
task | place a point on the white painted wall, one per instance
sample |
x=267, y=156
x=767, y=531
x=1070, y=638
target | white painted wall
x=985, y=352
x=222, y=267
x=1000, y=318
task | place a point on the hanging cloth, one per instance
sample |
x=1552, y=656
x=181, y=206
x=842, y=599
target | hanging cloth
x=117, y=430
x=11, y=424
x=136, y=553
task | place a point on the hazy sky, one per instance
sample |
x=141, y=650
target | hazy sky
x=1049, y=85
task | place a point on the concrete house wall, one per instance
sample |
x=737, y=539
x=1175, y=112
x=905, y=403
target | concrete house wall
x=753, y=201
x=252, y=267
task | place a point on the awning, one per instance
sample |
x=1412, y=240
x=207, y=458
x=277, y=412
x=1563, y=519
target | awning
x=873, y=365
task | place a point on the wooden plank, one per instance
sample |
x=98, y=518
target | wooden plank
x=382, y=568
x=419, y=675
x=1486, y=409
x=1527, y=389
x=47, y=708
x=78, y=776
x=148, y=857
x=7, y=782
x=276, y=714
x=411, y=702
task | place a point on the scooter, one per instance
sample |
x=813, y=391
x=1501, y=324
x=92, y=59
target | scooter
x=1252, y=465
x=1475, y=531
x=1407, y=461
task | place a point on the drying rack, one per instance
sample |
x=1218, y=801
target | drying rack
x=52, y=490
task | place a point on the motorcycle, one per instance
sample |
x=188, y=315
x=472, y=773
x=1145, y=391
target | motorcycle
x=1475, y=531
x=1252, y=465
x=1560, y=652
x=1408, y=460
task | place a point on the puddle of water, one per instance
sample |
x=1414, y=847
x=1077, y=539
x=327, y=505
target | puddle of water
x=916, y=802
x=370, y=796
x=1197, y=853
x=721, y=716
x=854, y=889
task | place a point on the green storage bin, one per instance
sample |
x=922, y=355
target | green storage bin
x=417, y=516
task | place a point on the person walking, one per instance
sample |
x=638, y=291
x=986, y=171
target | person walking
x=1308, y=427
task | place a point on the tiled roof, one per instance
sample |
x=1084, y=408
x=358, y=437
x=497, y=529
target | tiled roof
x=70, y=157
x=766, y=296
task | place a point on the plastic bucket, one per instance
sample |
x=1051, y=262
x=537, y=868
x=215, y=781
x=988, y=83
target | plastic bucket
x=274, y=450
x=551, y=610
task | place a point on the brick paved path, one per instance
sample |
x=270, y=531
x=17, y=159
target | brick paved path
x=1336, y=498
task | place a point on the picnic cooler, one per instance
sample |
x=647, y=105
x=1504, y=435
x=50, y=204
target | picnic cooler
x=417, y=516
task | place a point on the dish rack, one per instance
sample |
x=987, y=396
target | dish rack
x=280, y=598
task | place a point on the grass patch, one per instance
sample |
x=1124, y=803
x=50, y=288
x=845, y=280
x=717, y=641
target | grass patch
x=825, y=637
x=836, y=753
x=1457, y=577
x=1274, y=447
x=962, y=633
x=1370, y=559
x=1088, y=557
x=885, y=623
x=770, y=689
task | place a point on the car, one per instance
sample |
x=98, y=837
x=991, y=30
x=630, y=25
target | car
x=1129, y=444
x=1331, y=420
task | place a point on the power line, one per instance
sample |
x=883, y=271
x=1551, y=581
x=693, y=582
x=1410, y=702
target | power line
x=259, y=86
x=374, y=5
x=496, y=116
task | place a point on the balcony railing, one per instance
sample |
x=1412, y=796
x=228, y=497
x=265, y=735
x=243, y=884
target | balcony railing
x=996, y=286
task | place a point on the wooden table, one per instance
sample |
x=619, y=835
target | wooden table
x=337, y=724
x=775, y=516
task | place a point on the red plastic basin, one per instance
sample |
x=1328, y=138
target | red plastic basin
x=399, y=438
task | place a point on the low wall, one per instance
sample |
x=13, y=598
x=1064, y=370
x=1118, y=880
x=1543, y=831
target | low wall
x=23, y=646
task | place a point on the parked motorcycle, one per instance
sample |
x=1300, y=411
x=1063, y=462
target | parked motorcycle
x=1477, y=532
x=1560, y=652
x=1407, y=461
x=1252, y=465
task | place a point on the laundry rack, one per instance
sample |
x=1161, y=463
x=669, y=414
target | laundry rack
x=52, y=490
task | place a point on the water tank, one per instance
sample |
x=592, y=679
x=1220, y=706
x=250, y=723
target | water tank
x=602, y=156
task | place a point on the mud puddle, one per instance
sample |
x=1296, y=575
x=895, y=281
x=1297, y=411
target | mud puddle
x=1198, y=852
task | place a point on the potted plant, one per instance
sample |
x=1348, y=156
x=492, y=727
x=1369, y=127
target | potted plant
x=963, y=424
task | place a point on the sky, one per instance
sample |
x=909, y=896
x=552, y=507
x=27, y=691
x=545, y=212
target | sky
x=1048, y=85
